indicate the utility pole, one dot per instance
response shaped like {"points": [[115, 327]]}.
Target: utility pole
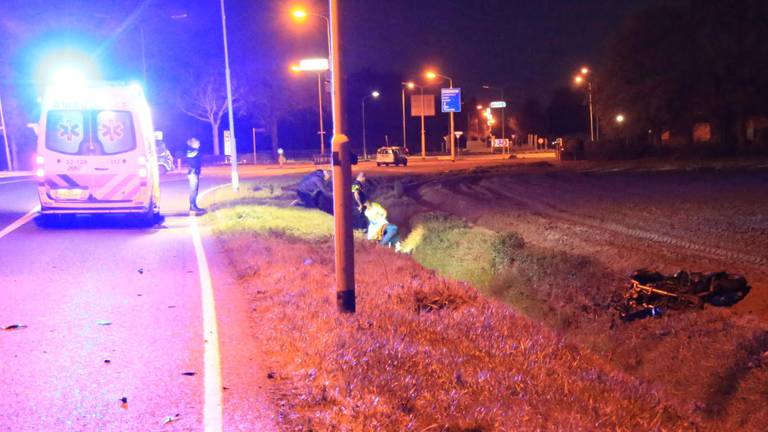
{"points": [[453, 137], [423, 132], [405, 142], [342, 179], [254, 145], [5, 138], [231, 117], [320, 105]]}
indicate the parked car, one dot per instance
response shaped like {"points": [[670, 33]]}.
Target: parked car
{"points": [[164, 158], [391, 156]]}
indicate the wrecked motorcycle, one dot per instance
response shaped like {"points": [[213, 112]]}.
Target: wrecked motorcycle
{"points": [[651, 293]]}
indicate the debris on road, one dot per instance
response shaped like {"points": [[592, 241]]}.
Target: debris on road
{"points": [[141, 271], [108, 361], [104, 323], [189, 373], [651, 293], [15, 327], [271, 375], [169, 419]]}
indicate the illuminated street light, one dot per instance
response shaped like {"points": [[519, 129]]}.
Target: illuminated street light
{"points": [[620, 118], [411, 85], [374, 94], [317, 65], [503, 113], [299, 13], [431, 75], [479, 107], [579, 80]]}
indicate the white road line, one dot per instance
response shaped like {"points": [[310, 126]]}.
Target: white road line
{"points": [[19, 222], [212, 408], [15, 181]]}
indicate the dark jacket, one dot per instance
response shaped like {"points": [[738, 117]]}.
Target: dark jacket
{"points": [[195, 163], [361, 190], [313, 183]]}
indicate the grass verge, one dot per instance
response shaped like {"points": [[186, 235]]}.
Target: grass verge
{"points": [[416, 357]]}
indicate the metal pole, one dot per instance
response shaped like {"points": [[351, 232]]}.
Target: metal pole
{"points": [[320, 104], [405, 142], [254, 145], [453, 137], [342, 181], [423, 133], [143, 55], [365, 151], [231, 117], [504, 124], [591, 122], [5, 138]]}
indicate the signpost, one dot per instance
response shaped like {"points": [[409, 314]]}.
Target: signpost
{"points": [[498, 104], [450, 100], [227, 143]]}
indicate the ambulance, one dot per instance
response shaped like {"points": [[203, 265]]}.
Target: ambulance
{"points": [[96, 151]]}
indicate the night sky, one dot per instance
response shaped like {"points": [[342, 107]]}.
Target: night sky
{"points": [[528, 47]]}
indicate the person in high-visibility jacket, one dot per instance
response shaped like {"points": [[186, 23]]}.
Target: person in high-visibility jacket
{"points": [[379, 228]]}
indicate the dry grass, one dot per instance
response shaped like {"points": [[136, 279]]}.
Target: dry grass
{"points": [[422, 353]]}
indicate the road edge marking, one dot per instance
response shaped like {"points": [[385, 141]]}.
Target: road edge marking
{"points": [[18, 223], [213, 410]]}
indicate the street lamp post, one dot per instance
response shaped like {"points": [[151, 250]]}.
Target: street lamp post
{"points": [[374, 94], [320, 112], [433, 75], [580, 79], [5, 138], [342, 179], [318, 66], [231, 116], [503, 113], [411, 85], [402, 92], [341, 163]]}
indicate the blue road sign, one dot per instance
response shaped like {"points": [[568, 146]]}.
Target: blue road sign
{"points": [[450, 100]]}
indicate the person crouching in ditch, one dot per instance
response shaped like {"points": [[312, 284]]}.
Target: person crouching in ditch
{"points": [[379, 228]]}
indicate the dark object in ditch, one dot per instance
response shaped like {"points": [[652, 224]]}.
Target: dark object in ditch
{"points": [[651, 292]]}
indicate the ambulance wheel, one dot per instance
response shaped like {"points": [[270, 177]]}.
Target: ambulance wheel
{"points": [[152, 216], [378, 164]]}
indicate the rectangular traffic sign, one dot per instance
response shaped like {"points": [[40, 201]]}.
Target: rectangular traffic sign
{"points": [[498, 104], [422, 104], [450, 100]]}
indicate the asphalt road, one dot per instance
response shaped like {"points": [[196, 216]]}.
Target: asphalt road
{"points": [[110, 312]]}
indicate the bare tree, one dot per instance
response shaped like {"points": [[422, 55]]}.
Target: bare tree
{"points": [[276, 98], [206, 100]]}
